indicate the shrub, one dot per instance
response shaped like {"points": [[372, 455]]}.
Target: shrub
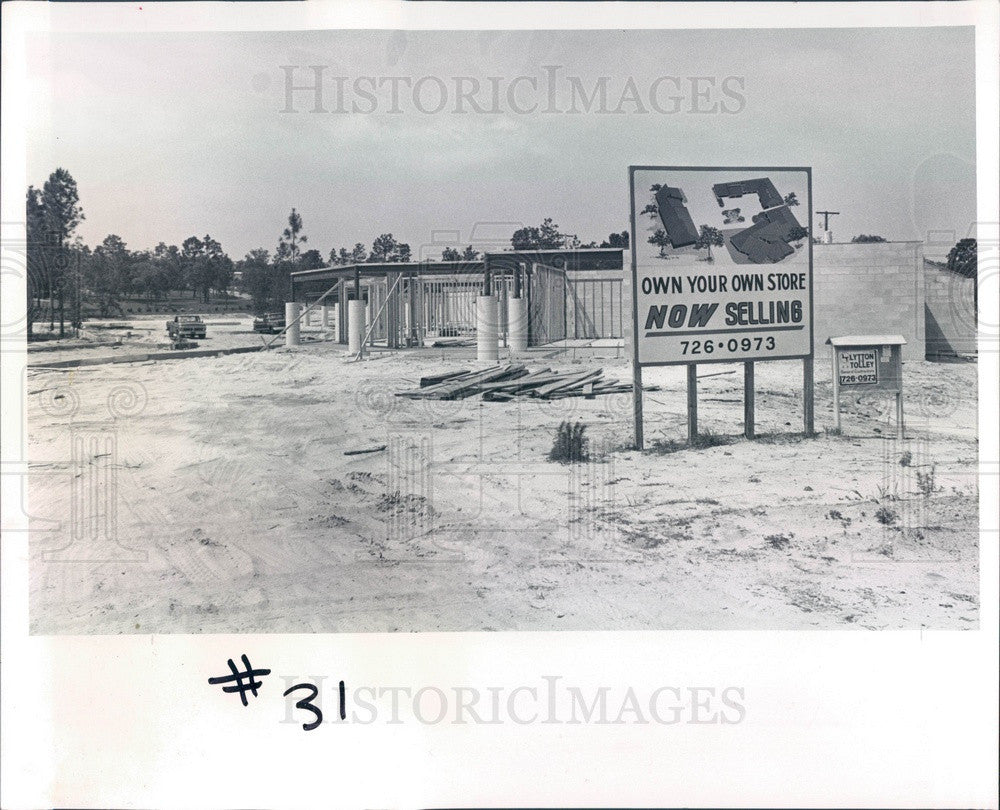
{"points": [[905, 459], [570, 444]]}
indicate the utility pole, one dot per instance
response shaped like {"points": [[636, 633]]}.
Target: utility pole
{"points": [[826, 218]]}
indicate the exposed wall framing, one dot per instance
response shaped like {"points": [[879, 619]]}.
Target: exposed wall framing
{"points": [[570, 294]]}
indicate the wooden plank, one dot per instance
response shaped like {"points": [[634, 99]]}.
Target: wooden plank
{"points": [[435, 379], [526, 381], [748, 399], [364, 450], [466, 386], [432, 390], [578, 378]]}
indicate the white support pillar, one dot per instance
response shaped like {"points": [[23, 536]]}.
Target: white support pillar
{"points": [[517, 324], [487, 331], [326, 316], [292, 311], [355, 325], [828, 237]]}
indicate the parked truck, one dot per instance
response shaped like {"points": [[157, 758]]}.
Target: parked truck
{"points": [[186, 326], [269, 322]]}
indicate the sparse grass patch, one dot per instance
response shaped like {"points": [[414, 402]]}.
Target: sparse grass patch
{"points": [[709, 439], [702, 441], [778, 541], [832, 431], [886, 516], [663, 447], [905, 459], [925, 481], [779, 438], [836, 514], [570, 445], [886, 549], [887, 493]]}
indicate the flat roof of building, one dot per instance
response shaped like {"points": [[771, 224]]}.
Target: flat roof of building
{"points": [[577, 259]]}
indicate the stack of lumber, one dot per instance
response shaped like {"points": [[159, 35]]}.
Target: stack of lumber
{"points": [[513, 381]]}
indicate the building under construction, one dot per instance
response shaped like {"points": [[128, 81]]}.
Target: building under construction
{"points": [[538, 297], [547, 296]]}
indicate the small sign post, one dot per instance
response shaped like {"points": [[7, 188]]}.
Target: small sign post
{"points": [[868, 363], [721, 273]]}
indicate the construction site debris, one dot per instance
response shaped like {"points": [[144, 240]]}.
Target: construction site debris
{"points": [[503, 383], [377, 449]]}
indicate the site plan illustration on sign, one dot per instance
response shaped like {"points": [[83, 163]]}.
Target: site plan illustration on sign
{"points": [[722, 264]]}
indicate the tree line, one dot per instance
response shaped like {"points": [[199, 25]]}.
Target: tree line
{"points": [[65, 276]]}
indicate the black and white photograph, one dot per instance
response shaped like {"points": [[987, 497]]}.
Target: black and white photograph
{"points": [[439, 404], [336, 334]]}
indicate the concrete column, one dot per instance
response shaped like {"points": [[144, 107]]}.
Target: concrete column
{"points": [[326, 316], [517, 324], [828, 237], [355, 325], [487, 350], [292, 311]]}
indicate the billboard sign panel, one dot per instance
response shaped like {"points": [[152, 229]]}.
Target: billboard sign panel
{"points": [[721, 264]]}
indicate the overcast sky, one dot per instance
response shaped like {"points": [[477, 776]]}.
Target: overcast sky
{"points": [[173, 135]]}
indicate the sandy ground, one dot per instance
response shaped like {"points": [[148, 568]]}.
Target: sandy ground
{"points": [[213, 495], [115, 338]]}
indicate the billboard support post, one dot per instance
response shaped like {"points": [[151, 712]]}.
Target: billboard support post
{"points": [[808, 386], [748, 400], [692, 402], [636, 366], [637, 404], [836, 393]]}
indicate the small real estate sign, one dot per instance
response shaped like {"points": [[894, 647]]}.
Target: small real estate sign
{"points": [[863, 363], [858, 367], [721, 264], [868, 362]]}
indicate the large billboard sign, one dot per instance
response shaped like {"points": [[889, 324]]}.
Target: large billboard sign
{"points": [[721, 264]]}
